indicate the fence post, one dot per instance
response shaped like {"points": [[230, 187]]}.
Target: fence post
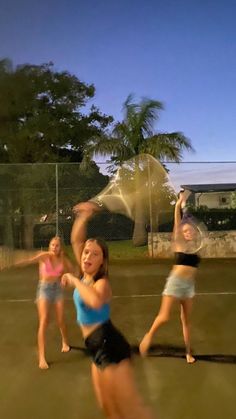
{"points": [[57, 208]]}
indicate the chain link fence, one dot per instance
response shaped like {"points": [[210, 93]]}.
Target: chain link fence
{"points": [[36, 200]]}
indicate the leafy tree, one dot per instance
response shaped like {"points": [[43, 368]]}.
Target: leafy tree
{"points": [[41, 120], [40, 114], [233, 200], [135, 135], [29, 191]]}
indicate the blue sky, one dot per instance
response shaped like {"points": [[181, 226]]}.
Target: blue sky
{"points": [[182, 53]]}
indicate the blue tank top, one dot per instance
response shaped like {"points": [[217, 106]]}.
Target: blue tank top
{"points": [[88, 315]]}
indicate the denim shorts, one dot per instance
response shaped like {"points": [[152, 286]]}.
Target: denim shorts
{"points": [[106, 345], [50, 291], [179, 287]]}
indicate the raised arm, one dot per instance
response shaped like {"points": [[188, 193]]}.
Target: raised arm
{"points": [[84, 212], [180, 204], [177, 216]]}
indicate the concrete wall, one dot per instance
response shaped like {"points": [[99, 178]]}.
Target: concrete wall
{"points": [[218, 244]]}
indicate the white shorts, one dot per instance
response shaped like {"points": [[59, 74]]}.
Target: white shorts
{"points": [[179, 287]]}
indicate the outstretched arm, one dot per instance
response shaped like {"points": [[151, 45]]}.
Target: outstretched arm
{"points": [[85, 212], [31, 260]]}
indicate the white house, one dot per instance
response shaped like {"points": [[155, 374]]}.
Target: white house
{"points": [[216, 195]]}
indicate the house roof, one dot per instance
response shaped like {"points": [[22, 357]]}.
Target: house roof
{"points": [[211, 187]]}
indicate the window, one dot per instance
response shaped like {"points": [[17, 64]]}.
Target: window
{"points": [[224, 200]]}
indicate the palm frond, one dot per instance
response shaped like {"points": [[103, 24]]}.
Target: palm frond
{"points": [[148, 115], [135, 135], [167, 146], [129, 108]]}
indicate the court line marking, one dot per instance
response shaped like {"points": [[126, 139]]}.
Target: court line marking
{"points": [[137, 296], [160, 295], [27, 300]]}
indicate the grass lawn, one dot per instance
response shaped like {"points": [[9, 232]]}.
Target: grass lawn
{"points": [[122, 250]]}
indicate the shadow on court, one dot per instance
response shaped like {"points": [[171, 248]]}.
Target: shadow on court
{"points": [[169, 351]]}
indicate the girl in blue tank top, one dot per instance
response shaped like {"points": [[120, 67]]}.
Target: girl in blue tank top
{"points": [[87, 314], [112, 371]]}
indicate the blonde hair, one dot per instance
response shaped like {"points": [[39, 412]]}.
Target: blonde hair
{"points": [[58, 238]]}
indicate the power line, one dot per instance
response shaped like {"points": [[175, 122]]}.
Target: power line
{"points": [[190, 162]]}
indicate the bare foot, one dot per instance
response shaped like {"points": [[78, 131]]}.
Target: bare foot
{"points": [[190, 359], [145, 344], [65, 347], [43, 365]]}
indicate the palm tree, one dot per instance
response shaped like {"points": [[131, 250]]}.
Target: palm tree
{"points": [[136, 135]]}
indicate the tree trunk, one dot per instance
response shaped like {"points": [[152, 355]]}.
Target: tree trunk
{"points": [[140, 235]]}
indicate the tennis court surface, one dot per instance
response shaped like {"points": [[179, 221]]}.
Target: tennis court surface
{"points": [[175, 389]]}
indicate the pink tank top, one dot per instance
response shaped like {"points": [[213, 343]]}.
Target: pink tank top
{"points": [[46, 269]]}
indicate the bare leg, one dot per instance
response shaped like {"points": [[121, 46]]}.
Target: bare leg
{"points": [[59, 307], [103, 394], [186, 308], [125, 399], [43, 313], [162, 317]]}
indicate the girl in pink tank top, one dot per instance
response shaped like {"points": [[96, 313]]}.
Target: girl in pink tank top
{"points": [[52, 264], [47, 269]]}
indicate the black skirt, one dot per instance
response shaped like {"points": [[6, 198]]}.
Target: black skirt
{"points": [[106, 345]]}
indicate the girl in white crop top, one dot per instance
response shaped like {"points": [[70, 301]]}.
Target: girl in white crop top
{"points": [[180, 285]]}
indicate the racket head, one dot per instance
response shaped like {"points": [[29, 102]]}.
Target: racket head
{"points": [[191, 235]]}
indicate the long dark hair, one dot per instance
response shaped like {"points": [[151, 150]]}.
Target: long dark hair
{"points": [[103, 270]]}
